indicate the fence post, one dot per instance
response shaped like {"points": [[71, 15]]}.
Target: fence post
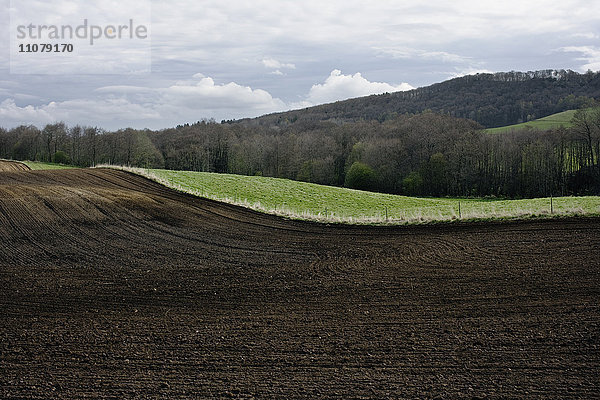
{"points": [[386, 215], [459, 211], [551, 205]]}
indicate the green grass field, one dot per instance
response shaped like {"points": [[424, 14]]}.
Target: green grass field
{"points": [[334, 204], [36, 165], [549, 122]]}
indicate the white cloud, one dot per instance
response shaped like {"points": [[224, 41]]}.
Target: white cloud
{"points": [[274, 64], [463, 65], [585, 35], [9, 111], [206, 95], [445, 57], [120, 106], [338, 86], [590, 56], [470, 71], [277, 66], [410, 53], [95, 112]]}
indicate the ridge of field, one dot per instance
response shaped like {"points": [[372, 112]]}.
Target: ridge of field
{"points": [[38, 165], [551, 121], [334, 204], [11, 166]]}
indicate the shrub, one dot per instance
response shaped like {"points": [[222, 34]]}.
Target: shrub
{"points": [[412, 184], [361, 176], [60, 157]]}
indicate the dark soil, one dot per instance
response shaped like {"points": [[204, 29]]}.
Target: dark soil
{"points": [[112, 286], [12, 166]]}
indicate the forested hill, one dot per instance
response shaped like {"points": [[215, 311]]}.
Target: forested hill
{"points": [[493, 100]]}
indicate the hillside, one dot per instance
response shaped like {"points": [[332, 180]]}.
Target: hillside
{"points": [[334, 204], [493, 100]]}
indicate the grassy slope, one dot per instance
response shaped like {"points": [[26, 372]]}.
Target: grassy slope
{"points": [[300, 199], [549, 122]]}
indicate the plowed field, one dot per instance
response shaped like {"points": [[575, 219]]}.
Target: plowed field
{"points": [[112, 286], [12, 166]]}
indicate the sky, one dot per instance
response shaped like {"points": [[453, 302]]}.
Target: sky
{"points": [[233, 59]]}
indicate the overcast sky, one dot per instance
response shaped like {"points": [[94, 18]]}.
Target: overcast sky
{"points": [[233, 59]]}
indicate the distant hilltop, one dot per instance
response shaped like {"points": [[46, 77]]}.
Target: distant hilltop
{"points": [[523, 76], [492, 99]]}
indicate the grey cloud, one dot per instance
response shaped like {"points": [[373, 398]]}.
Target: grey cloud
{"points": [[387, 42]]}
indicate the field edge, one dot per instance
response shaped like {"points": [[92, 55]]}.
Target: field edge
{"points": [[376, 221]]}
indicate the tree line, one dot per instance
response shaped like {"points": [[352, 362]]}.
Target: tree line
{"points": [[425, 154]]}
